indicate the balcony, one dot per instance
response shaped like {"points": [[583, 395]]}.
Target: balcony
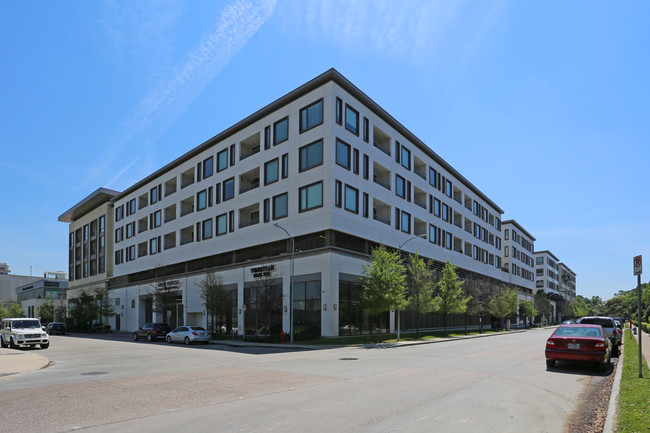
{"points": [[249, 215], [380, 211], [249, 180], [381, 175], [420, 168], [381, 140], [249, 146]]}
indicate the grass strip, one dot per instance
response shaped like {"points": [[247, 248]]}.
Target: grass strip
{"points": [[634, 402]]}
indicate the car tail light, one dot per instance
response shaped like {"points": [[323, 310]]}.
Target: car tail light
{"points": [[550, 342], [194, 333]]}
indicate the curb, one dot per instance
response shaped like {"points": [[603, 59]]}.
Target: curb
{"points": [[612, 409], [15, 362]]}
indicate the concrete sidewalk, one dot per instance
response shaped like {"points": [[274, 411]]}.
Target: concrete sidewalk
{"points": [[14, 361]]}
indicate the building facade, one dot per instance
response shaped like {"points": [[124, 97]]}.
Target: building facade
{"points": [[301, 191], [32, 295]]}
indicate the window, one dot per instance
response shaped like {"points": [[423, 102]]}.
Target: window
{"points": [[119, 257], [338, 193], [222, 224], [432, 177], [505, 235], [129, 230], [351, 199], [118, 235], [366, 130], [351, 120], [311, 155], [355, 161], [206, 229], [448, 241], [400, 186], [445, 212], [433, 231], [232, 155], [539, 260], [267, 138], [208, 167], [342, 154], [153, 246], [339, 111], [153, 195], [285, 166], [228, 189], [280, 206], [281, 131], [406, 222], [366, 166], [506, 252], [436, 207], [311, 116], [406, 158], [222, 160], [311, 196], [202, 199], [267, 211], [448, 190], [365, 205], [271, 172], [130, 208], [119, 212], [157, 219]]}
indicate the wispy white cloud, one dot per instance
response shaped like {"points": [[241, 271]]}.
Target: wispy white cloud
{"points": [[170, 97]]}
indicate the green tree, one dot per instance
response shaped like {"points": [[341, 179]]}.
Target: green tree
{"points": [[83, 309], [104, 306], [481, 295], [213, 296], [46, 310], [450, 299], [384, 283], [542, 304], [3, 312], [16, 310], [420, 288], [527, 310], [504, 304]]}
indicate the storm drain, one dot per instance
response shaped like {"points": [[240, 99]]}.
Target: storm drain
{"points": [[94, 373], [348, 359]]}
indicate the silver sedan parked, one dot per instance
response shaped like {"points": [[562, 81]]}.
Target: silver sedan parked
{"points": [[189, 335]]}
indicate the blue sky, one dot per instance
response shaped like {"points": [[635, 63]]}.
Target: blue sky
{"points": [[543, 105]]}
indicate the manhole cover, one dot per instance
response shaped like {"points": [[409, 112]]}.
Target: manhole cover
{"points": [[348, 359], [94, 373]]}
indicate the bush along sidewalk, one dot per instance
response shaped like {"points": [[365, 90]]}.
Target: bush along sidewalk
{"points": [[634, 402]]}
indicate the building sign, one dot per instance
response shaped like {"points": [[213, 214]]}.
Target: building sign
{"points": [[168, 285], [262, 271]]}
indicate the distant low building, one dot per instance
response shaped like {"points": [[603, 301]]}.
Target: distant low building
{"points": [[9, 283], [32, 295]]}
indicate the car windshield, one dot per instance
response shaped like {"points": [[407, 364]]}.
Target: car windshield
{"points": [[197, 328], [26, 324], [577, 331]]}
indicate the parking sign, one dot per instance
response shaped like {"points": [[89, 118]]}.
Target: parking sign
{"points": [[638, 269]]}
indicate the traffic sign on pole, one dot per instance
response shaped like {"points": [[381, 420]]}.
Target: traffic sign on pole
{"points": [[638, 268]]}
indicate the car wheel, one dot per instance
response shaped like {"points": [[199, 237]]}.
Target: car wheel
{"points": [[550, 363], [12, 344], [45, 345], [187, 340], [135, 336], [2, 343], [149, 338], [604, 366], [169, 340]]}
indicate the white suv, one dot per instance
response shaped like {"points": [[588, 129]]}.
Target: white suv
{"points": [[23, 332]]}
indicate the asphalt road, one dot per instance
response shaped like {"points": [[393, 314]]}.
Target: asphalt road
{"points": [[492, 384]]}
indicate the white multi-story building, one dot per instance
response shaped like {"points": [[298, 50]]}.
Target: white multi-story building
{"points": [[567, 282], [518, 251], [324, 168]]}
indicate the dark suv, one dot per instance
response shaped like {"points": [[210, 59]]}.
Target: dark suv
{"points": [[152, 331]]}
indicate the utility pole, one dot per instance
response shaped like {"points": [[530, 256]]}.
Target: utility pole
{"points": [[638, 269]]}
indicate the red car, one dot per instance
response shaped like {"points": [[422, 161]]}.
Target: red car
{"points": [[580, 343]]}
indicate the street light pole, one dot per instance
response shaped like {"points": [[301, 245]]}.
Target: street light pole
{"points": [[293, 249], [399, 257]]}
